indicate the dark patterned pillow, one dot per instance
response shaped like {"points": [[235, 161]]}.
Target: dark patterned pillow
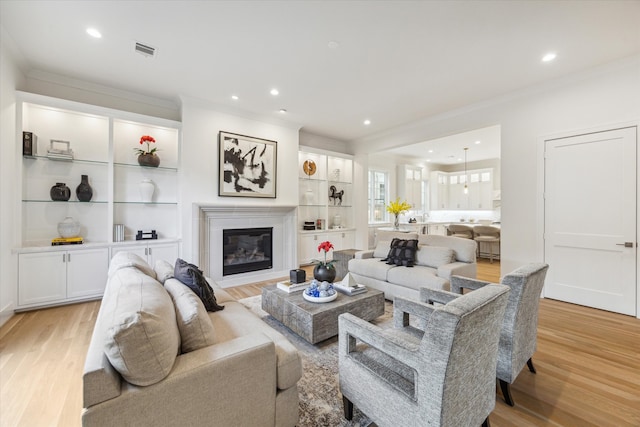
{"points": [[402, 252], [192, 277]]}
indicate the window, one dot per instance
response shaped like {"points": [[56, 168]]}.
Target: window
{"points": [[378, 196]]}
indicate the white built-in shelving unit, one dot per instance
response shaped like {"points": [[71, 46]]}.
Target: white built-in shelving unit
{"points": [[336, 216], [103, 142]]}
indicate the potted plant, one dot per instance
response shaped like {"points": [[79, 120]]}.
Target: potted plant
{"points": [[324, 270], [147, 157]]}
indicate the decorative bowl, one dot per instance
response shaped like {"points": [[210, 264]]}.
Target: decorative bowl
{"points": [[320, 292], [319, 299]]}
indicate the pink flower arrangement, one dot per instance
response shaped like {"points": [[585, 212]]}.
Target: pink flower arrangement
{"points": [[146, 139]]}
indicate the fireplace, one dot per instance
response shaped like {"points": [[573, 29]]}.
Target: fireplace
{"points": [[246, 249], [213, 219]]}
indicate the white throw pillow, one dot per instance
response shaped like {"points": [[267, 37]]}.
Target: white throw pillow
{"points": [[382, 249], [196, 328], [142, 339], [163, 270], [433, 256]]}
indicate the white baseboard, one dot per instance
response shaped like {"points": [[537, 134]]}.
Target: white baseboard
{"points": [[254, 276], [6, 313]]}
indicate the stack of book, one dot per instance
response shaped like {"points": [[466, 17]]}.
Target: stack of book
{"points": [[289, 287], [349, 286], [58, 241]]}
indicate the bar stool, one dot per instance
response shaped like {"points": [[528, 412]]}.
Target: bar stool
{"points": [[460, 230], [489, 235]]}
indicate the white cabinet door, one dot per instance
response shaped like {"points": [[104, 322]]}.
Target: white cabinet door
{"points": [[439, 191], [140, 250], [165, 251], [42, 277], [439, 229], [308, 247], [348, 240], [150, 252], [87, 272]]}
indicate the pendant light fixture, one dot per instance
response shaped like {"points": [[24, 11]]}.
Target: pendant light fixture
{"points": [[466, 178]]}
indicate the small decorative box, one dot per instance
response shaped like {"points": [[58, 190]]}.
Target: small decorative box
{"points": [[297, 276]]}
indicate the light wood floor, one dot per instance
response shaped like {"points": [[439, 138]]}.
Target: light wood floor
{"points": [[588, 364]]}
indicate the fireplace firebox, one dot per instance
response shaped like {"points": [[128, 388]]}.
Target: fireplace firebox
{"points": [[246, 249]]}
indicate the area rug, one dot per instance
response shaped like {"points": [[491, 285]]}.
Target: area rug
{"points": [[320, 397]]}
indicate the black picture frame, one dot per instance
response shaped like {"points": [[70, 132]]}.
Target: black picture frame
{"points": [[248, 166]]}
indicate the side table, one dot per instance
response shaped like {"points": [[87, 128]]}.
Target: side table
{"points": [[341, 259]]}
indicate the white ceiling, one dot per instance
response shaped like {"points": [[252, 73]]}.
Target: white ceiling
{"points": [[482, 144], [395, 61]]}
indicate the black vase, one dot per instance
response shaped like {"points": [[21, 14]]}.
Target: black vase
{"points": [[324, 274], [60, 192], [84, 192]]}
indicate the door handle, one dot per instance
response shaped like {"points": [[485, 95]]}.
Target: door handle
{"points": [[625, 244]]}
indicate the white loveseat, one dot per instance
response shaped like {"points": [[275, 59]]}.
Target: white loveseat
{"points": [[436, 260], [158, 358]]}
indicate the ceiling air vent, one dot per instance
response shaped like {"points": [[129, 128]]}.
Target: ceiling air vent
{"points": [[145, 50]]}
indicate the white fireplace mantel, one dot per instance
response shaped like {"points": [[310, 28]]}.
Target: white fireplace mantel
{"points": [[215, 218]]}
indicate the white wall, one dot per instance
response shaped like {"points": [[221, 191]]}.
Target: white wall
{"points": [[199, 173], [604, 96], [10, 78]]}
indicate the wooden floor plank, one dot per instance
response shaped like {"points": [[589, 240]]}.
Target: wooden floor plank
{"points": [[587, 361]]}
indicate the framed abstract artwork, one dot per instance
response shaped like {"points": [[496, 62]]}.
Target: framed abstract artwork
{"points": [[247, 166]]}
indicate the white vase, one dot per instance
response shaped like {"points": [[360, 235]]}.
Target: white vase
{"points": [[147, 187]]}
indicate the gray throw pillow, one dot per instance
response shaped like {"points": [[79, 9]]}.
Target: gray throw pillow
{"points": [[402, 252], [191, 276]]}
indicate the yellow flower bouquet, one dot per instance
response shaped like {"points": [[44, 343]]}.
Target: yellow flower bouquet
{"points": [[397, 207]]}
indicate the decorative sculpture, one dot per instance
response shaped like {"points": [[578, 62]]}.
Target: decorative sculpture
{"points": [[336, 195]]}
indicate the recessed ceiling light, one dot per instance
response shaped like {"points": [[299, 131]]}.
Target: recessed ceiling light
{"points": [[367, 122], [274, 92], [430, 151], [234, 97], [549, 57], [477, 142], [283, 111], [94, 33], [333, 44]]}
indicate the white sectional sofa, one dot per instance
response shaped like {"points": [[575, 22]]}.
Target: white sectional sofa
{"points": [[436, 260], [158, 358]]}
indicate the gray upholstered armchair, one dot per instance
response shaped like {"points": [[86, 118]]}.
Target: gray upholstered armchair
{"points": [[442, 376], [520, 326]]}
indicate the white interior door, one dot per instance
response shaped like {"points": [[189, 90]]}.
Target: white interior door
{"points": [[590, 219]]}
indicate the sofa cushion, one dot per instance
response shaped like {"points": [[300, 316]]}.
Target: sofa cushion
{"points": [[434, 256], [163, 269], [402, 252], [370, 267], [417, 277], [237, 321], [192, 277], [196, 329], [129, 259], [464, 249], [142, 338]]}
